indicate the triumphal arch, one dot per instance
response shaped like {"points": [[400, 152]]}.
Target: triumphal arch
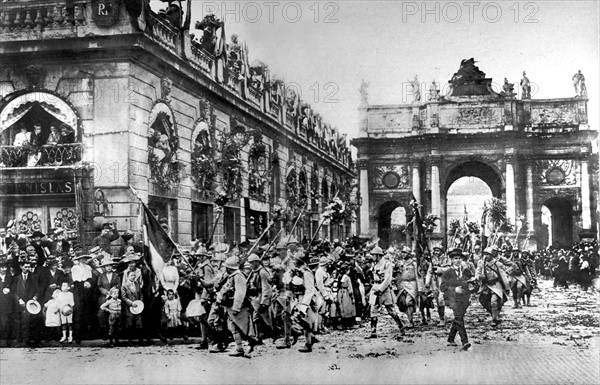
{"points": [[530, 152]]}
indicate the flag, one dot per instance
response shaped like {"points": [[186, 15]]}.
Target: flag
{"points": [[159, 246]]}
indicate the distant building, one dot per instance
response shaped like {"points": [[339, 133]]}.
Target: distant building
{"points": [[531, 153]]}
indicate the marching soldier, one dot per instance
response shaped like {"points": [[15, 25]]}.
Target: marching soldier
{"points": [[381, 291], [205, 274], [492, 284], [232, 297], [408, 279], [433, 281], [304, 302], [259, 293]]}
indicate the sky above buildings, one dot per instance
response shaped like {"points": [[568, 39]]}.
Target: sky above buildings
{"points": [[328, 47]]}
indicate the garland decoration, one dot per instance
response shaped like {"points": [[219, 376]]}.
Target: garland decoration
{"points": [[165, 168], [204, 169], [231, 166]]}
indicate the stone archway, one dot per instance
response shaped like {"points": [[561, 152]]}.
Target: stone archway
{"points": [[561, 228], [384, 222]]}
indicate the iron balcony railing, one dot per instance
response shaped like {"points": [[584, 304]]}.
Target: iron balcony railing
{"points": [[42, 156]]}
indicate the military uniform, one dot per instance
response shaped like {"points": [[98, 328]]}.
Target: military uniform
{"points": [[259, 293], [493, 287], [381, 293]]}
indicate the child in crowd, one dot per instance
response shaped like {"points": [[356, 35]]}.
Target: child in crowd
{"points": [[66, 303], [172, 309], [113, 307], [53, 315]]}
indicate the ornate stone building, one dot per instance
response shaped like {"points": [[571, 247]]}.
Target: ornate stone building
{"points": [[529, 152], [126, 97]]}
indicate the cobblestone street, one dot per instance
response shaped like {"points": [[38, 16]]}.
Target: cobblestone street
{"points": [[555, 342]]}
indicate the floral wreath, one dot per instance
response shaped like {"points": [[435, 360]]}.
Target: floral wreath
{"points": [[204, 169], [165, 168], [258, 180]]}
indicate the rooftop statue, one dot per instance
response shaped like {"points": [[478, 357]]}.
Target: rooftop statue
{"points": [[173, 13], [364, 92], [525, 87], [434, 93], [508, 89], [579, 84], [415, 89]]}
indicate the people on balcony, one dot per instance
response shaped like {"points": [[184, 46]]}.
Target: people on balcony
{"points": [[32, 148]]}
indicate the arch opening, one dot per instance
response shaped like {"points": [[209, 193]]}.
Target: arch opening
{"points": [[557, 223], [465, 199], [385, 231]]}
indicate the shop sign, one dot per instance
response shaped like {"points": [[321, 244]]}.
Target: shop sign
{"points": [[37, 188]]}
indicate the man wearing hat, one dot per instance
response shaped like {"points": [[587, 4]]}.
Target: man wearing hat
{"points": [[81, 274], [41, 247], [454, 285], [107, 235], [231, 296], [408, 280], [202, 284], [59, 244], [4, 241], [433, 281], [259, 292], [53, 278], [493, 285], [25, 288], [6, 299], [301, 282], [106, 281], [128, 242], [323, 283], [381, 291]]}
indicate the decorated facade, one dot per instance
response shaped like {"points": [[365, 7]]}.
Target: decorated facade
{"points": [[209, 139], [530, 152]]}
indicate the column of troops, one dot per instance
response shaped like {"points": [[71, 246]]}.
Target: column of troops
{"points": [[53, 290]]}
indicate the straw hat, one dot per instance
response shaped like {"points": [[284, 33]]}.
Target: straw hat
{"points": [[33, 307], [137, 307], [66, 310]]}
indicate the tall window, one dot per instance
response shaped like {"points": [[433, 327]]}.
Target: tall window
{"points": [[201, 221]]}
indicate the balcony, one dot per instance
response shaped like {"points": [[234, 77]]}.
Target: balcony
{"points": [[49, 156], [28, 20]]}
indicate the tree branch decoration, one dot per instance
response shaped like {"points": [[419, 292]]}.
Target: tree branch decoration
{"points": [[260, 171], [204, 169], [230, 165], [163, 145]]}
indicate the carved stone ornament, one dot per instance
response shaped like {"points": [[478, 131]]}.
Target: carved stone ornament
{"points": [[105, 13], [569, 194], [390, 177], [473, 116], [165, 88], [555, 116], [35, 76], [557, 172]]}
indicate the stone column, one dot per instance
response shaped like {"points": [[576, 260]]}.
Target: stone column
{"points": [[435, 193], [511, 203], [364, 208], [416, 182], [586, 210], [529, 197]]}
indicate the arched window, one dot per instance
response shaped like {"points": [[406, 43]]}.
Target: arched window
{"points": [[163, 144]]}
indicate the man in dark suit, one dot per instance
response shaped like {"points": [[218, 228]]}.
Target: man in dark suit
{"points": [[52, 279], [25, 288], [454, 285], [7, 300], [107, 280]]}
